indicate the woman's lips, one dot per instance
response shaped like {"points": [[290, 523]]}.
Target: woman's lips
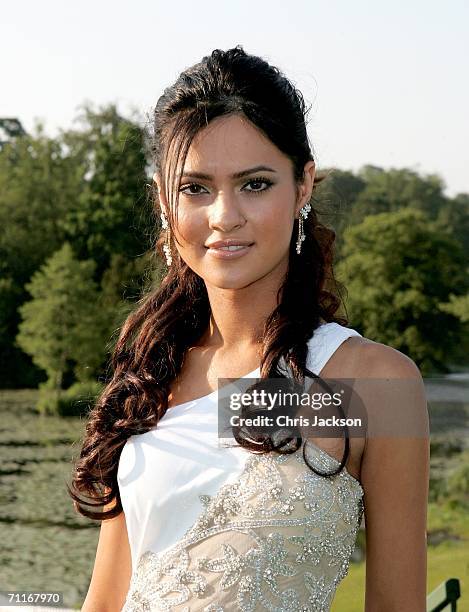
{"points": [[223, 253]]}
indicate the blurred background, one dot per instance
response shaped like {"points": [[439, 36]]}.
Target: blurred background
{"points": [[388, 95]]}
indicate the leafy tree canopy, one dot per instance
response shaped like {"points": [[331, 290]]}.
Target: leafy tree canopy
{"points": [[398, 268], [64, 323]]}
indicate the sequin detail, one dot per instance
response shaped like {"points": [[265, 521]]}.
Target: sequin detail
{"points": [[278, 538]]}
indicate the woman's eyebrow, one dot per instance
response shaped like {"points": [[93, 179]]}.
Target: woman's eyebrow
{"points": [[236, 175]]}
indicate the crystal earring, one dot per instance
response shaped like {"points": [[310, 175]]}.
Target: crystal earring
{"points": [[301, 235], [166, 247]]}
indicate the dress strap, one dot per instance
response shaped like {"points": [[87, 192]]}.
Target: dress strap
{"points": [[323, 344]]}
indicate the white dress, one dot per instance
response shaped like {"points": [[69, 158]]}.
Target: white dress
{"points": [[216, 529]]}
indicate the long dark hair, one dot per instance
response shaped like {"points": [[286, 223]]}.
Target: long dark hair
{"points": [[168, 320]]}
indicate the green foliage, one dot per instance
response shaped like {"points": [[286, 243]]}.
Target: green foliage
{"points": [[38, 182], [335, 199], [64, 322], [394, 189], [37, 185], [110, 215], [87, 187], [458, 483], [451, 488], [48, 398], [453, 218], [398, 267], [458, 305], [11, 128]]}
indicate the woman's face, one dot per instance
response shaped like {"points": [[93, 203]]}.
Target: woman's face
{"points": [[216, 203]]}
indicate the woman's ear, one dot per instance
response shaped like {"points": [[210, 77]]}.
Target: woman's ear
{"points": [[161, 197], [306, 187]]}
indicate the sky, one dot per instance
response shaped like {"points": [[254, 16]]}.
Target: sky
{"points": [[387, 82]]}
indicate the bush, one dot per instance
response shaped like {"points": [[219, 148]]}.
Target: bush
{"points": [[78, 399], [458, 487], [451, 486], [443, 446], [48, 399]]}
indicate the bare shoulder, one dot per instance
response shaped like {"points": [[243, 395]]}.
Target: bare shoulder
{"points": [[376, 360], [392, 391]]}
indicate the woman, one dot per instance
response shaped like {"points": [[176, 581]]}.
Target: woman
{"points": [[190, 524]]}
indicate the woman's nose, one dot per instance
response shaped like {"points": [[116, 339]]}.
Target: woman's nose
{"points": [[225, 213]]}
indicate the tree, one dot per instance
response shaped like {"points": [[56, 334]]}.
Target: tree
{"points": [[458, 305], [453, 218], [87, 187], [38, 183], [63, 324], [391, 190], [398, 268], [10, 127], [111, 213], [335, 199]]}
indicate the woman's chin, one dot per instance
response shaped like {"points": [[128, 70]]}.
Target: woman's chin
{"points": [[229, 280]]}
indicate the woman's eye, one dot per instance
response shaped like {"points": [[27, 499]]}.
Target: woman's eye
{"points": [[190, 186], [192, 189], [259, 181]]}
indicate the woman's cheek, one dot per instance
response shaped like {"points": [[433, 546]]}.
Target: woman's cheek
{"points": [[278, 224], [190, 230]]}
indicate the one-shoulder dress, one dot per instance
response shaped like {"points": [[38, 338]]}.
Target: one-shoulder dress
{"points": [[221, 529]]}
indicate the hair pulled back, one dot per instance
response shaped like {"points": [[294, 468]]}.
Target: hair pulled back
{"points": [[169, 319]]}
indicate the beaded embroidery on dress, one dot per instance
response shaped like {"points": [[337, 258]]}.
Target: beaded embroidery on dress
{"points": [[278, 538]]}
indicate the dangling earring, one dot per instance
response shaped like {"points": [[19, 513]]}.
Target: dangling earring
{"points": [[301, 235], [166, 247]]}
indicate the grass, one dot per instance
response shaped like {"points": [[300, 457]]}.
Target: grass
{"points": [[447, 528], [446, 560], [46, 545]]}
